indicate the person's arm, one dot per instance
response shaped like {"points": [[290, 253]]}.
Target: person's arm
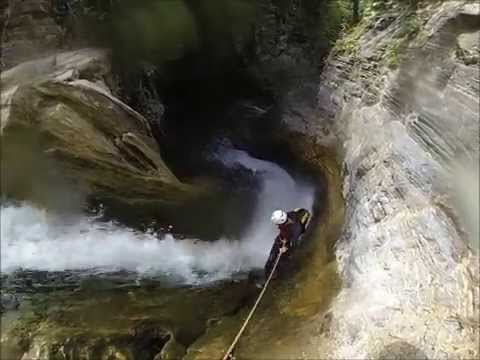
{"points": [[283, 238], [273, 251], [284, 234]]}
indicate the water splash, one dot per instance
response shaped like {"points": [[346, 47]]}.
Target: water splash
{"points": [[278, 191], [37, 240]]}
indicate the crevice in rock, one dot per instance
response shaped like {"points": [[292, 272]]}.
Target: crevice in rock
{"points": [[134, 155]]}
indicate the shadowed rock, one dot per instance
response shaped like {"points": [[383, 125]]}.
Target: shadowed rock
{"points": [[399, 100], [62, 126], [401, 350]]}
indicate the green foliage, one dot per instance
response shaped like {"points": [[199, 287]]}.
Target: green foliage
{"points": [[392, 54], [156, 30], [325, 20], [371, 7], [395, 52], [225, 25], [336, 15], [348, 43], [410, 27], [163, 30], [351, 30]]}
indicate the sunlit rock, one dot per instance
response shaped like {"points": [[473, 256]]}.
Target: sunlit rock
{"points": [[404, 253], [402, 110], [62, 126]]}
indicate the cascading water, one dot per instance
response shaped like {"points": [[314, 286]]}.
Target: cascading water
{"points": [[36, 240]]}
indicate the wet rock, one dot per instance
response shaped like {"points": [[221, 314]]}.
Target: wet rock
{"points": [[470, 9], [383, 23], [215, 342], [113, 353], [469, 48], [292, 38], [409, 278], [404, 247], [38, 351], [292, 312], [90, 142], [29, 31], [141, 323], [8, 301], [171, 351], [401, 350]]}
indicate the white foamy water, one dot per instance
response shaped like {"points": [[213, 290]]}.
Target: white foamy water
{"points": [[33, 239]]}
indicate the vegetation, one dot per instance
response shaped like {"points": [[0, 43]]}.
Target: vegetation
{"points": [[396, 51], [370, 12], [328, 22], [348, 42]]}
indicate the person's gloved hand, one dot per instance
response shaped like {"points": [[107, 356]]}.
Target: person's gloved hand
{"points": [[283, 249]]}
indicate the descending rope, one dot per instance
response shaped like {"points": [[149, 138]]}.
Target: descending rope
{"points": [[245, 323]]}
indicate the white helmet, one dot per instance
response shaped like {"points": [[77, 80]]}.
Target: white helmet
{"points": [[279, 217]]}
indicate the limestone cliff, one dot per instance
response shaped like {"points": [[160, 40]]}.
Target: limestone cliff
{"points": [[401, 103], [389, 270], [398, 101], [404, 104], [29, 30], [62, 127]]}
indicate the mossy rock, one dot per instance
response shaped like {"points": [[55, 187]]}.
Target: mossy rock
{"points": [[76, 138]]}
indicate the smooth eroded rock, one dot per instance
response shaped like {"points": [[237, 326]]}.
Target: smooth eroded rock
{"points": [[62, 129]]}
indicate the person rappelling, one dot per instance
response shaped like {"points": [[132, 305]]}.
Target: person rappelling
{"points": [[291, 226]]}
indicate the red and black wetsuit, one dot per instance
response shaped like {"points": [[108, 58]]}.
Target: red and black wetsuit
{"points": [[285, 231], [289, 234]]}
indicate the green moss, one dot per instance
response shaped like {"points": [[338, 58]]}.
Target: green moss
{"points": [[348, 44], [89, 320], [392, 54], [410, 27], [371, 10], [468, 58], [396, 52], [331, 18], [372, 7]]}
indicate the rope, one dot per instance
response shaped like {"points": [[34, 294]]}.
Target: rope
{"points": [[245, 323]]}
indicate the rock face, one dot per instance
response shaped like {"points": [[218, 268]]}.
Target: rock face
{"points": [[401, 94], [291, 317], [29, 30], [8, 301], [135, 324], [62, 126], [292, 38], [399, 101], [293, 34]]}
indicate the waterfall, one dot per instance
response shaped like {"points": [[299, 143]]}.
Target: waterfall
{"points": [[35, 239]]}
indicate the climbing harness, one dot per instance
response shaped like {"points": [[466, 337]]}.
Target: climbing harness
{"points": [[245, 323]]}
